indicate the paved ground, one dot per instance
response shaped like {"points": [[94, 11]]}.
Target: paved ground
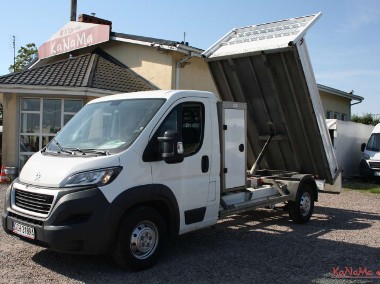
{"points": [[260, 247]]}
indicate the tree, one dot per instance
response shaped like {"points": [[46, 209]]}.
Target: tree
{"points": [[25, 55], [366, 118]]}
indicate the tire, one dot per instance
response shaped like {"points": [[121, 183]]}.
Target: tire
{"points": [[301, 210], [140, 239]]}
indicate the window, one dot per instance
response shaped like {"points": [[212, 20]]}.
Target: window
{"points": [[328, 114], [110, 126], [344, 116], [191, 128], [40, 120], [188, 120], [374, 142]]}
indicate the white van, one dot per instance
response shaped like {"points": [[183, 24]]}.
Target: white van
{"points": [[370, 163]]}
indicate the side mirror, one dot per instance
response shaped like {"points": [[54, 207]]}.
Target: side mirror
{"points": [[363, 147], [172, 148]]}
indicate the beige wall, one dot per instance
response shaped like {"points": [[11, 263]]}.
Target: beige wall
{"points": [[335, 103], [194, 76], [150, 63], [10, 130], [88, 99], [159, 66]]}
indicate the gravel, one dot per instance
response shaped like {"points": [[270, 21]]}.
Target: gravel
{"points": [[259, 247]]}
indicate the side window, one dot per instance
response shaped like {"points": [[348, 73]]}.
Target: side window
{"points": [[192, 127], [170, 123], [374, 142], [188, 120]]}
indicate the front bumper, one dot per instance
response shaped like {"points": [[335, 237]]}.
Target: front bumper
{"points": [[80, 221], [366, 171]]}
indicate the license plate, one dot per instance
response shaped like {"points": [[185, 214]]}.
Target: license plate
{"points": [[377, 174], [23, 230]]}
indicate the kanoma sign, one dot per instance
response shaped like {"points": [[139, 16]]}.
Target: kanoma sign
{"points": [[74, 35]]}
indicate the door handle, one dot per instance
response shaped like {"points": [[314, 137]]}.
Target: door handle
{"points": [[205, 164]]}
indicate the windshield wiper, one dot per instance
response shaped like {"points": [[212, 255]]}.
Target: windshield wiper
{"points": [[92, 151], [61, 149]]}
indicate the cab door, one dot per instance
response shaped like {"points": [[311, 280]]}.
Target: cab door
{"points": [[190, 179]]}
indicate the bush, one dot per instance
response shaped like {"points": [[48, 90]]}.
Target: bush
{"points": [[366, 118]]}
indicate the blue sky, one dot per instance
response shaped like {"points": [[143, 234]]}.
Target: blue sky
{"points": [[344, 44]]}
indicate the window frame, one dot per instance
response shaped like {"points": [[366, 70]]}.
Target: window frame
{"points": [[40, 134], [152, 152]]}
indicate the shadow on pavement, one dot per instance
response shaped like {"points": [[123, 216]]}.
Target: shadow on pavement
{"points": [[260, 247]]}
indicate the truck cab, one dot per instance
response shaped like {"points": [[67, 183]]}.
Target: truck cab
{"points": [[107, 164]]}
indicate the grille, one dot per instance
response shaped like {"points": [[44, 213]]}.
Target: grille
{"points": [[35, 202], [374, 165]]}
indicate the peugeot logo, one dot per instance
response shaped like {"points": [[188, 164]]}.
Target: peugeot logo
{"points": [[37, 177]]}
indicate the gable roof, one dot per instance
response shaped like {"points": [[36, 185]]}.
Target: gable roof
{"points": [[340, 93], [96, 70]]}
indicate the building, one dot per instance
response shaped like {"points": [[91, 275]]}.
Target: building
{"points": [[337, 104], [85, 60]]}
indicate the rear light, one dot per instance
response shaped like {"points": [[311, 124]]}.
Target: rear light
{"points": [[256, 182]]}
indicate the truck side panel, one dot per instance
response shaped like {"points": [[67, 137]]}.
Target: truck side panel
{"points": [[233, 133]]}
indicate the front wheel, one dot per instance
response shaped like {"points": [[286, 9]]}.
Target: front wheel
{"points": [[300, 211], [140, 239]]}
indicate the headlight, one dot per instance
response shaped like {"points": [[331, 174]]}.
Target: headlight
{"points": [[365, 157], [99, 177]]}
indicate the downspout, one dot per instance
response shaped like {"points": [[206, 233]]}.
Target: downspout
{"points": [[358, 102], [178, 66]]}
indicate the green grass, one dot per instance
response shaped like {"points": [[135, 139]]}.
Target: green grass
{"points": [[367, 186]]}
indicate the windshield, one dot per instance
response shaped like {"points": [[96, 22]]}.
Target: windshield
{"points": [[108, 127], [374, 142]]}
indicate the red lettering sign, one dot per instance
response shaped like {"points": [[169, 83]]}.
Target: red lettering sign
{"points": [[74, 36], [349, 272]]}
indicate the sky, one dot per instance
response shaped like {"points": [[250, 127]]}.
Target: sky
{"points": [[344, 44]]}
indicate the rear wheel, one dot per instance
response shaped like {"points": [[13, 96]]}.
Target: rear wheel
{"points": [[300, 211], [140, 239]]}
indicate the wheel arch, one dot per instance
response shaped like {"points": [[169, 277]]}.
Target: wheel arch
{"points": [[306, 180], [309, 180], [156, 196], [301, 209]]}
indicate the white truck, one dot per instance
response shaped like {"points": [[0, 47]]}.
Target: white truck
{"points": [[131, 170], [369, 166]]}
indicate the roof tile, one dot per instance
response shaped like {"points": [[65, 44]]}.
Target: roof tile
{"points": [[106, 73]]}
